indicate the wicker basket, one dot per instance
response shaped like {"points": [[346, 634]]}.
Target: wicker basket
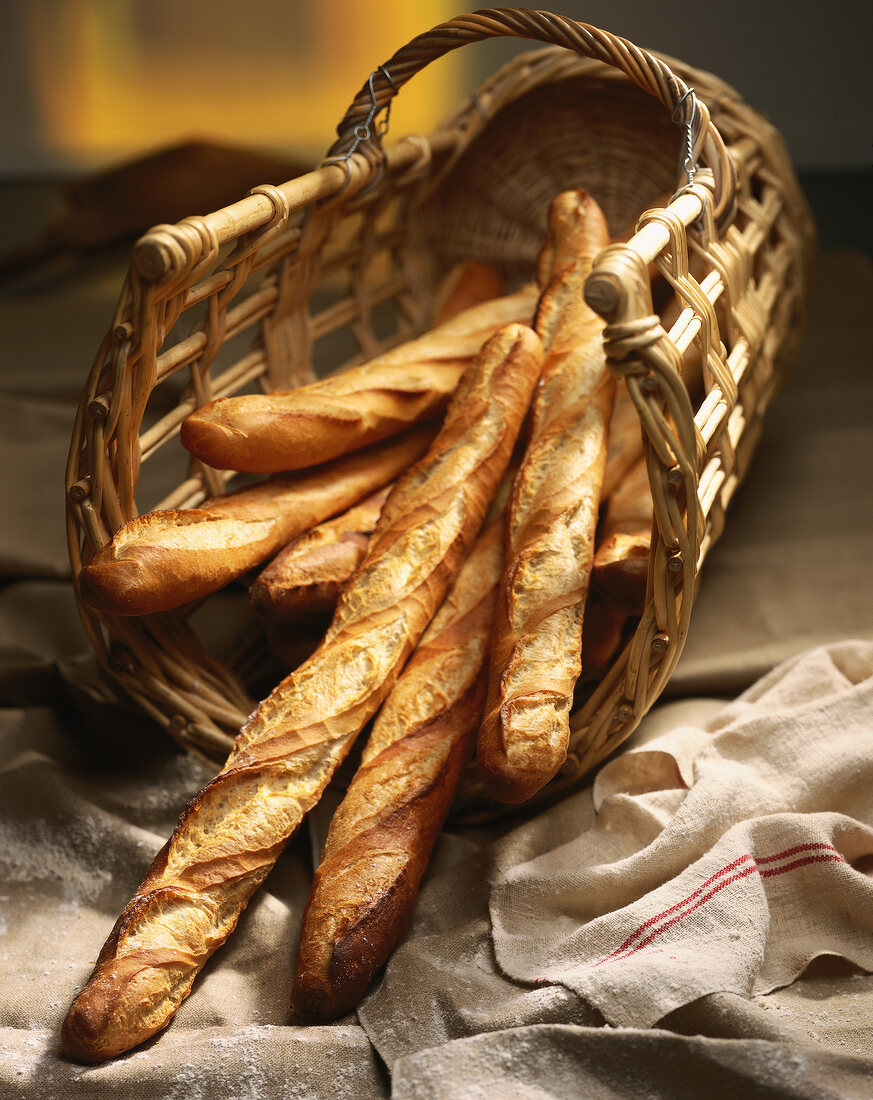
{"points": [[339, 264]]}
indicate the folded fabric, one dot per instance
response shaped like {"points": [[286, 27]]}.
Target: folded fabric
{"points": [[722, 858]]}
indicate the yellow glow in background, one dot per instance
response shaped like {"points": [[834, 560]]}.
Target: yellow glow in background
{"points": [[112, 78]]}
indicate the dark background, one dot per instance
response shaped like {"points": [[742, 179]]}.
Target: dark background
{"points": [[806, 66]]}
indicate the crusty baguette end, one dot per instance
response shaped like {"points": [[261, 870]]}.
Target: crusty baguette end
{"points": [[141, 572]]}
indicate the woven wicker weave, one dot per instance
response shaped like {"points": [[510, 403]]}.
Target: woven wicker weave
{"points": [[338, 265]]}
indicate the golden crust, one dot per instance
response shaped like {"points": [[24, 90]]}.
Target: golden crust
{"points": [[536, 658], [164, 559], [551, 523], [383, 832], [577, 227], [304, 579], [266, 433]]}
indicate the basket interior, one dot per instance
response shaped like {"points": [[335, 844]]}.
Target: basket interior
{"points": [[603, 134]]}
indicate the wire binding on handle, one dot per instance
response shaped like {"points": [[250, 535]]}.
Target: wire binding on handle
{"points": [[688, 163], [362, 131]]}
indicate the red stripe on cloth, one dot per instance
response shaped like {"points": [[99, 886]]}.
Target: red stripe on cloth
{"points": [[679, 904], [615, 957], [622, 952], [793, 852], [801, 863]]}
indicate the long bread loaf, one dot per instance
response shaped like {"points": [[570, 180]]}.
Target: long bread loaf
{"points": [[161, 560], [233, 831], [265, 433], [577, 228], [304, 579], [382, 834], [551, 523]]}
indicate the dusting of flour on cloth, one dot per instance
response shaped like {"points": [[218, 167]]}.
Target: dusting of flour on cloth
{"points": [[723, 858]]}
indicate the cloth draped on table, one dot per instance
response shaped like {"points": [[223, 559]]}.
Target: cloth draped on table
{"points": [[621, 940]]}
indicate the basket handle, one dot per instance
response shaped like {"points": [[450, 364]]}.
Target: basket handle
{"points": [[644, 69]]}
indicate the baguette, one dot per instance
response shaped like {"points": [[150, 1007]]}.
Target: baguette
{"points": [[233, 831], [382, 834], [304, 579], [551, 523], [266, 433], [577, 228], [164, 559]]}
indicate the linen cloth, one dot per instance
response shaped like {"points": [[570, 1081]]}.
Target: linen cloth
{"points": [[723, 858], [448, 1014]]}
